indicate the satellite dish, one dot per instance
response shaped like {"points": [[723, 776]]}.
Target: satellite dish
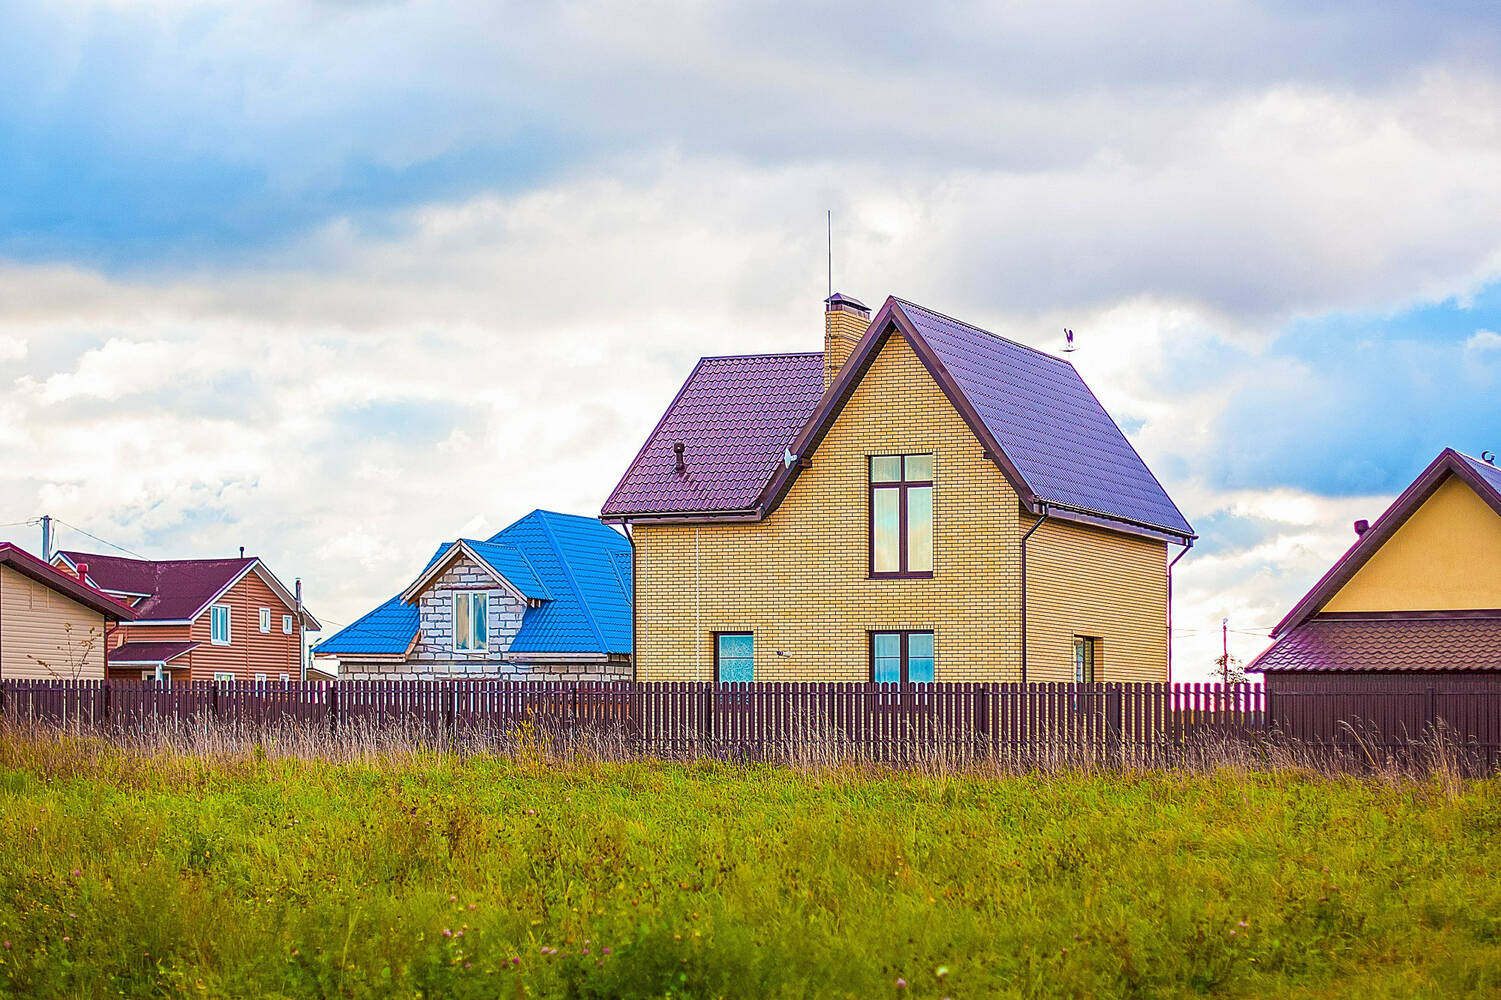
{"points": [[788, 458]]}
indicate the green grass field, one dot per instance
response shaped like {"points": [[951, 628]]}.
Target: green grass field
{"points": [[127, 875]]}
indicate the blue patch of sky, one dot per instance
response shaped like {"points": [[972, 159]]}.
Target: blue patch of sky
{"points": [[1349, 404]]}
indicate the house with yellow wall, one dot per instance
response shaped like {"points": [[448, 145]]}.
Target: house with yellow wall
{"points": [[920, 501], [52, 625], [1416, 597]]}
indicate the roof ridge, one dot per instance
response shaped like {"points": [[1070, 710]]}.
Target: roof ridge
{"points": [[981, 329], [552, 540], [762, 354]]}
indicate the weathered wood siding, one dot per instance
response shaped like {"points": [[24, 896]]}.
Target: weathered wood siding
{"points": [[40, 626]]}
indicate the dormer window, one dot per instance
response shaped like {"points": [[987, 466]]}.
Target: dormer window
{"points": [[471, 613], [901, 515]]}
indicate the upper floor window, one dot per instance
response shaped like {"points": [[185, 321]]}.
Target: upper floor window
{"points": [[1086, 658], [734, 657], [218, 625], [265, 619], [901, 515], [901, 657], [471, 618], [286, 624]]}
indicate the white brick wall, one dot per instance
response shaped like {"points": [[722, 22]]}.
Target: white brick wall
{"points": [[434, 657]]}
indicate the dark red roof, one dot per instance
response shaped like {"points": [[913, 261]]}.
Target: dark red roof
{"points": [[178, 589], [1033, 414], [131, 653], [1386, 644], [25, 563], [1482, 477], [735, 416]]}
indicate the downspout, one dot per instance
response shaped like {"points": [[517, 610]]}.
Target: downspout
{"points": [[1026, 536], [1173, 562], [698, 652], [630, 536]]}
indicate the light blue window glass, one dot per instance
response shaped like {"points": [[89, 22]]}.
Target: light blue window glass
{"points": [[920, 657], [886, 469], [735, 657], [918, 469], [218, 622], [920, 529], [886, 655], [887, 527], [480, 616]]}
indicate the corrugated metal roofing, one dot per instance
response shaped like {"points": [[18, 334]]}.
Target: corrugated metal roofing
{"points": [[1386, 644], [386, 631], [131, 653], [179, 588], [578, 567], [735, 416], [576, 558], [511, 563], [1051, 426]]}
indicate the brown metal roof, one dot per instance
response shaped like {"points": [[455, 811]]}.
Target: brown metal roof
{"points": [[1389, 643], [25, 563]]}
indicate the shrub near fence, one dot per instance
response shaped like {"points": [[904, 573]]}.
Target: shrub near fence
{"points": [[1128, 723]]}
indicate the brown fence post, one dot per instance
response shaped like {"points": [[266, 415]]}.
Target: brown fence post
{"points": [[1113, 722], [1430, 707], [333, 706]]}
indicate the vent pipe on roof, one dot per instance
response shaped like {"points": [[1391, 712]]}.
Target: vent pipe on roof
{"points": [[677, 451], [242, 552], [1361, 527], [83, 573]]}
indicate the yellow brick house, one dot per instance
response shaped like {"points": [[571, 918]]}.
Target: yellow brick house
{"points": [[921, 501]]}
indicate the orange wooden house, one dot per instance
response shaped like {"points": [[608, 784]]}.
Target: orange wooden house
{"points": [[198, 619]]}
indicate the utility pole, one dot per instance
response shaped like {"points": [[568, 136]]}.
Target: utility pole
{"points": [[46, 538], [1225, 645], [301, 635]]}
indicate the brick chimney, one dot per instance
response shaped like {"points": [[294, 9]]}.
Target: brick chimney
{"points": [[844, 323]]}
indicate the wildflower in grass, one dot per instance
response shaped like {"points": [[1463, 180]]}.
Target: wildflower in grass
{"points": [[77, 872], [941, 971], [604, 951], [447, 932], [453, 899], [901, 984], [515, 960], [473, 906], [1243, 924], [7, 946]]}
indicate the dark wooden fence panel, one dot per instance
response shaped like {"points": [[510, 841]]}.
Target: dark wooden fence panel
{"points": [[1129, 723]]}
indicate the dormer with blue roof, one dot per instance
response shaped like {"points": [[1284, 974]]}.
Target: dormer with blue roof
{"points": [[548, 598]]}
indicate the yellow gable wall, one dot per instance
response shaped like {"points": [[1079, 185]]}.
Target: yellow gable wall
{"points": [[1088, 582], [47, 635], [1446, 557], [798, 579]]}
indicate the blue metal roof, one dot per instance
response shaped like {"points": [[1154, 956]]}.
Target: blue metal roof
{"points": [[578, 559], [578, 568], [512, 564], [388, 630], [1053, 429]]}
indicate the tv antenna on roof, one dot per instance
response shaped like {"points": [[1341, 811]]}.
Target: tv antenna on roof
{"points": [[1068, 341]]}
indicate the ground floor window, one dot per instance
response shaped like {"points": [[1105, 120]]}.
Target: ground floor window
{"points": [[150, 675], [1086, 659], [734, 657], [224, 676], [901, 657]]}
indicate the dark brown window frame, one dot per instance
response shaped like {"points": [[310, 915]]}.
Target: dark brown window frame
{"points": [[901, 486], [1094, 658], [904, 662], [734, 632]]}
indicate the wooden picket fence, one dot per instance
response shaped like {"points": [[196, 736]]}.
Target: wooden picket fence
{"points": [[1140, 723]]}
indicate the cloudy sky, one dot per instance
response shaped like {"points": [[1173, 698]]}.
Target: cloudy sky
{"points": [[338, 280]]}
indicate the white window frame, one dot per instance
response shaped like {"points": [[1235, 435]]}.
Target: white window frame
{"points": [[224, 676], [150, 675], [265, 619], [286, 624], [228, 625], [286, 678], [260, 680], [471, 597]]}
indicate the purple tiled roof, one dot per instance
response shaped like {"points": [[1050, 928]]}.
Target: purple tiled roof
{"points": [[178, 588], [1054, 430], [1485, 470], [1386, 644], [734, 416], [131, 653]]}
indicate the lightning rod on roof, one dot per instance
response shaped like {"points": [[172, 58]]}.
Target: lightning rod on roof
{"points": [[829, 219], [1068, 341]]}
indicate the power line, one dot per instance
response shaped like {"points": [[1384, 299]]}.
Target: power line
{"points": [[104, 541]]}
